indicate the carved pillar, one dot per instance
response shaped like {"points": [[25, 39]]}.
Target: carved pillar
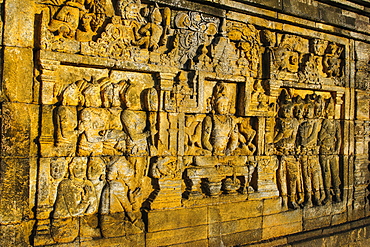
{"points": [[167, 119], [48, 79]]}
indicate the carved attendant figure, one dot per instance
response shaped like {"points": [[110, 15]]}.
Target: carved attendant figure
{"points": [[152, 31], [134, 124], [92, 123], [116, 202], [329, 142], [76, 202], [289, 171], [307, 146], [66, 120]]}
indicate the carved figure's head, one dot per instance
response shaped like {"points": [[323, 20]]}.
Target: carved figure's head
{"points": [[77, 168], [71, 95], [95, 168], [107, 92], [156, 16], [330, 108], [92, 96], [131, 99], [309, 112], [319, 106], [58, 168], [319, 46], [268, 38], [222, 105], [132, 11], [286, 110]]}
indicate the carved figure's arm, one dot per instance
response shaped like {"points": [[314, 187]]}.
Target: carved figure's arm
{"points": [[314, 133], [280, 134], [206, 134], [338, 136], [233, 141]]}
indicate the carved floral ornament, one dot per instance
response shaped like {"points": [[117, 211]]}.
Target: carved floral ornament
{"points": [[214, 121]]}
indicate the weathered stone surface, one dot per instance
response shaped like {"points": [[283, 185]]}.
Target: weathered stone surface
{"points": [[178, 218], [18, 74], [14, 188], [18, 32], [184, 123], [235, 226], [16, 129], [176, 236]]}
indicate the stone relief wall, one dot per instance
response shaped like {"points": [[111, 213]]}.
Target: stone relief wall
{"points": [[146, 108]]}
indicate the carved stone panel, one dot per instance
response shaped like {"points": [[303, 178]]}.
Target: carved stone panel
{"points": [[146, 108]]}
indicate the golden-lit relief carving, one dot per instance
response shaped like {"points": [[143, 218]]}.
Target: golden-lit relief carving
{"points": [[307, 142], [146, 107], [223, 147]]}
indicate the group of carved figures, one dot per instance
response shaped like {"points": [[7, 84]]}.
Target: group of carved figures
{"points": [[307, 141], [103, 147], [82, 19], [120, 29], [90, 120], [96, 196]]}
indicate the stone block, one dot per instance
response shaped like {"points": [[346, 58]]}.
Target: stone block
{"points": [[240, 238], [338, 218], [357, 214], [18, 74], [311, 242], [276, 4], [19, 23], [136, 240], [159, 220], [284, 218], [360, 223], [319, 222], [15, 130], [199, 243], [234, 211], [296, 20], [272, 206], [176, 236], [14, 190], [300, 237], [272, 242], [230, 227], [306, 9], [281, 230], [315, 212]]}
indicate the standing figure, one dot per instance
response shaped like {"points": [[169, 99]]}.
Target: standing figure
{"points": [[58, 171], [66, 121], [75, 205], [307, 147], [289, 172], [116, 209], [92, 123], [96, 174], [330, 141], [134, 123]]}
